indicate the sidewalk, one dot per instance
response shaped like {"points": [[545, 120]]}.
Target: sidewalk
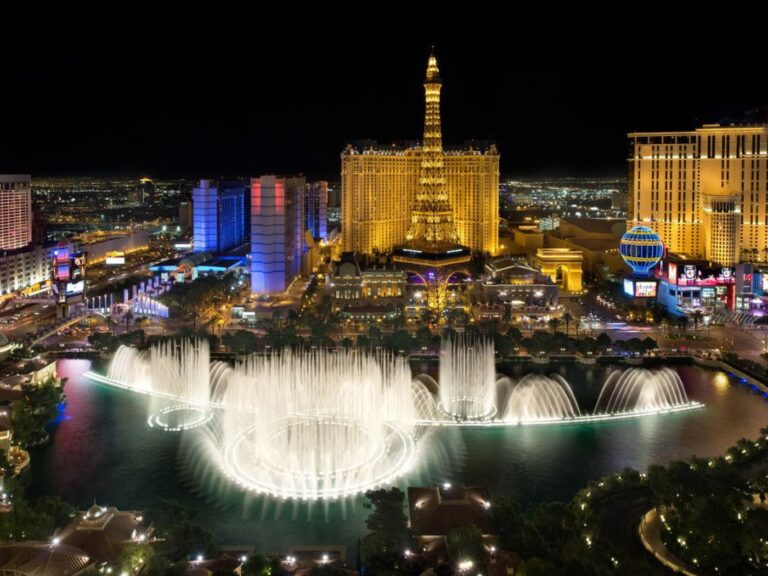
{"points": [[650, 536]]}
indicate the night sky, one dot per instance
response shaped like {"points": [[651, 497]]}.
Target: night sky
{"points": [[132, 89]]}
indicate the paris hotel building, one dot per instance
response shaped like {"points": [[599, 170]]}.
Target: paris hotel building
{"points": [[704, 192], [379, 185]]}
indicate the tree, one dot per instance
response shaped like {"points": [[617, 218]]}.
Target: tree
{"points": [[400, 340], [649, 344], [567, 317], [465, 543], [128, 317], [182, 535], [260, 565], [587, 345], [423, 337], [697, 316], [108, 342], [603, 341], [38, 407], [241, 341], [374, 335], [383, 546], [135, 556], [554, 324], [508, 521]]}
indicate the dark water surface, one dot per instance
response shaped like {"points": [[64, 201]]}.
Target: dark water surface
{"points": [[103, 449]]}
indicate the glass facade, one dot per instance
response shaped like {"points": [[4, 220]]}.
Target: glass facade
{"points": [[219, 215]]}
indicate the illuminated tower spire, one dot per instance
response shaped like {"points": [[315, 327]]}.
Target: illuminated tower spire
{"points": [[432, 217]]}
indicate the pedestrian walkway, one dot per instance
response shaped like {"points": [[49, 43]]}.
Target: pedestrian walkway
{"points": [[650, 536], [735, 318]]}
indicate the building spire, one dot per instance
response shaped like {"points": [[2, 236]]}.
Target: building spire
{"points": [[433, 73], [432, 217]]}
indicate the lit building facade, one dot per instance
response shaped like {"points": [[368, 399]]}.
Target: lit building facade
{"points": [[277, 232], [147, 191], [15, 211], [704, 192], [316, 208], [382, 187], [27, 269], [219, 215], [562, 265], [377, 283]]}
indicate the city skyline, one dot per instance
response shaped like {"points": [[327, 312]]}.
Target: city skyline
{"points": [[176, 93], [395, 292]]}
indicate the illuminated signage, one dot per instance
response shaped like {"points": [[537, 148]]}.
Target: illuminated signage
{"points": [[61, 271], [75, 288], [726, 273], [690, 272], [672, 271], [114, 260], [645, 289], [629, 289]]}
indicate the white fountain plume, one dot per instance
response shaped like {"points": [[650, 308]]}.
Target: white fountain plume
{"points": [[181, 370], [130, 369], [537, 397], [318, 424], [468, 379], [641, 390]]}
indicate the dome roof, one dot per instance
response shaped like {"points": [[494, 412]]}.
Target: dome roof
{"points": [[95, 512], [641, 248]]}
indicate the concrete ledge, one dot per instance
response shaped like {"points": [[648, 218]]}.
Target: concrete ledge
{"points": [[725, 367]]}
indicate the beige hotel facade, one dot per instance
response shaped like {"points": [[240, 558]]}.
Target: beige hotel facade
{"points": [[704, 192]]}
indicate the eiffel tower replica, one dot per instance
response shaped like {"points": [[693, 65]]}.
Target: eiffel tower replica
{"points": [[432, 248]]}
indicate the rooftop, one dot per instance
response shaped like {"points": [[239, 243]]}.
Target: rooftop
{"points": [[438, 510]]}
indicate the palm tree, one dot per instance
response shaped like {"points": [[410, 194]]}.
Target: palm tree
{"points": [[216, 320], [554, 323], [567, 318]]}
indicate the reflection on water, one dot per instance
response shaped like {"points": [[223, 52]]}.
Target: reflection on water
{"points": [[721, 381], [103, 449]]}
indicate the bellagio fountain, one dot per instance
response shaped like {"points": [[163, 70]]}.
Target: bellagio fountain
{"points": [[328, 424]]}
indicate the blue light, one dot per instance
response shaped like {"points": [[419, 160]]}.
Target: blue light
{"points": [[642, 249]]}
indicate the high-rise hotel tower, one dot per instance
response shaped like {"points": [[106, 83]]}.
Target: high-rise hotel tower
{"points": [[15, 211], [704, 192], [382, 186]]}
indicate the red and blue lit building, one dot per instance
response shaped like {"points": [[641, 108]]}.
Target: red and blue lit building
{"points": [[277, 232]]}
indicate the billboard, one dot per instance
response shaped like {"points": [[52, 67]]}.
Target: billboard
{"points": [[629, 288], [74, 288], [115, 258], [645, 289], [60, 264]]}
